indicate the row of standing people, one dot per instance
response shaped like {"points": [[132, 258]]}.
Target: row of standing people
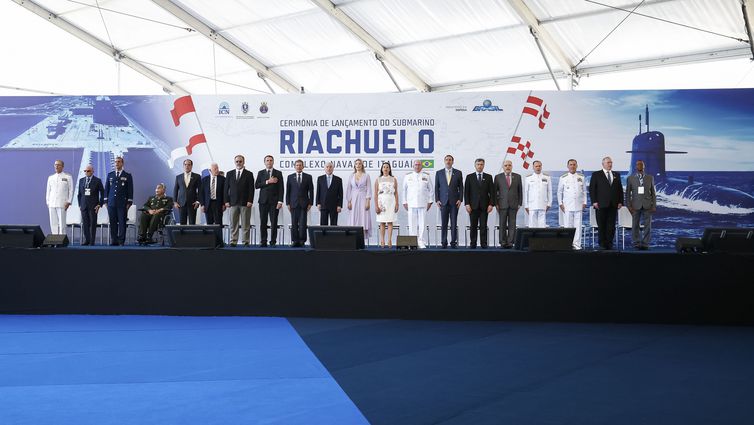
{"points": [[479, 192]]}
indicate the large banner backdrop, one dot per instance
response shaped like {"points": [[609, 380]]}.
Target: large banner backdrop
{"points": [[698, 143]]}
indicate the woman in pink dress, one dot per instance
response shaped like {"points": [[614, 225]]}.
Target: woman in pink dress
{"points": [[358, 195]]}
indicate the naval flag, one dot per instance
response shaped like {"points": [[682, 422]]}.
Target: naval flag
{"points": [[186, 119]]}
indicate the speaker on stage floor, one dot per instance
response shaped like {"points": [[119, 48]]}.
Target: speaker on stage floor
{"points": [[55, 241], [407, 242], [20, 236], [689, 245], [194, 236], [336, 238], [545, 239], [731, 239]]}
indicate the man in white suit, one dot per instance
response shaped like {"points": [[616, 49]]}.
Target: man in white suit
{"points": [[418, 196], [59, 197]]}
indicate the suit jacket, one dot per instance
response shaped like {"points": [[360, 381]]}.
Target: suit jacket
{"points": [[239, 189], [97, 193], [269, 193], [299, 195], [479, 195], [332, 197], [648, 200], [120, 192], [205, 193], [509, 197], [187, 195], [448, 193], [602, 192]]}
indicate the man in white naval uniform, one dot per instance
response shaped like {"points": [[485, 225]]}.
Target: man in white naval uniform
{"points": [[572, 200], [537, 195], [59, 197], [418, 197]]}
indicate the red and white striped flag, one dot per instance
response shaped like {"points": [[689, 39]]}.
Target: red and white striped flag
{"points": [[539, 110], [186, 119]]}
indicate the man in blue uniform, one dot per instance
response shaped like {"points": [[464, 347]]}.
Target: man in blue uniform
{"points": [[119, 195]]}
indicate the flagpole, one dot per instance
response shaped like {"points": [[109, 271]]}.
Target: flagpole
{"points": [[209, 151], [515, 130]]}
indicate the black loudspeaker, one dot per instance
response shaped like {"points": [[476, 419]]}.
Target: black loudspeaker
{"points": [[55, 241], [336, 238], [732, 239], [407, 242], [545, 239], [21, 236], [689, 245], [195, 236]]}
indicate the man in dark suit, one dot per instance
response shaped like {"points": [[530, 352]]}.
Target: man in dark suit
{"points": [[119, 195], [239, 197], [270, 184], [329, 196], [449, 195], [479, 195], [509, 195], [186, 193], [91, 197], [299, 196], [212, 195], [606, 192]]}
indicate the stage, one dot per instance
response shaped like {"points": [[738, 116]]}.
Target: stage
{"points": [[625, 287]]}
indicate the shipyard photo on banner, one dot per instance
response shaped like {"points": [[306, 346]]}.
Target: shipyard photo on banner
{"points": [[698, 144]]}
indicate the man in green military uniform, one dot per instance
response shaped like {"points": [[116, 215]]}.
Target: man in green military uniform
{"points": [[153, 213]]}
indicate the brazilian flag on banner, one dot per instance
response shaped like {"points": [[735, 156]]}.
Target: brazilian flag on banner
{"points": [[428, 163]]}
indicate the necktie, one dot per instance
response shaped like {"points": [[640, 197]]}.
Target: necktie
{"points": [[479, 177], [447, 175], [213, 189], [117, 175], [88, 179], [269, 174], [186, 179], [610, 177], [508, 179], [298, 177], [329, 179]]}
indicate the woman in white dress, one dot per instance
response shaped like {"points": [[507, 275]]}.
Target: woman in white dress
{"points": [[386, 202]]}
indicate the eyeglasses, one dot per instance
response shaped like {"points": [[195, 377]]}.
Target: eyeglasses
{"points": [[88, 171], [239, 162]]}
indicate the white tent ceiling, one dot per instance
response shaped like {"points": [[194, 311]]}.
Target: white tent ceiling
{"points": [[245, 46]]}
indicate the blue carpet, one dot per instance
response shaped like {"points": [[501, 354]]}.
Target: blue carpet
{"points": [[163, 370], [415, 372]]}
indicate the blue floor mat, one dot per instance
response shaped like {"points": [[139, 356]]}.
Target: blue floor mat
{"points": [[160, 370]]}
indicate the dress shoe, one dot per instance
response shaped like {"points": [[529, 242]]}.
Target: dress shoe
{"points": [[444, 246], [454, 246], [232, 244], [246, 244], [472, 246], [263, 245], [484, 246], [272, 243]]}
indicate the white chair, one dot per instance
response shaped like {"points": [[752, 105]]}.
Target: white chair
{"points": [[131, 222], [625, 221], [73, 220], [593, 223], [226, 226], [200, 219], [103, 221]]}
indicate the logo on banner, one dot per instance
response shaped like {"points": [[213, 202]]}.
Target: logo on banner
{"points": [[487, 106], [263, 108], [223, 109], [245, 108], [428, 163]]}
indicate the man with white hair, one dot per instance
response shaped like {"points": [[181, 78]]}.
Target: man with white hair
{"points": [[418, 197], [59, 197], [211, 195]]}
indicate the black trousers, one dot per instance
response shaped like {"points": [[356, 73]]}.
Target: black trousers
{"points": [[89, 225], [268, 211], [187, 213], [449, 211], [606, 225], [213, 212], [326, 215], [478, 219], [298, 225]]}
